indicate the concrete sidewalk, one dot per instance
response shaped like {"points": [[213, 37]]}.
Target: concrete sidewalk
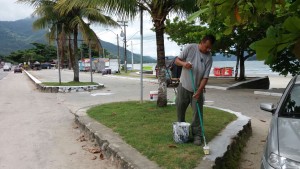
{"points": [[124, 156]]}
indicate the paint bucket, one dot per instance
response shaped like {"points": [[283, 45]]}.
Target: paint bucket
{"points": [[181, 132], [153, 95]]}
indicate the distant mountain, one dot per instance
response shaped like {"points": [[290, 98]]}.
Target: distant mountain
{"points": [[18, 35], [113, 49], [221, 57]]}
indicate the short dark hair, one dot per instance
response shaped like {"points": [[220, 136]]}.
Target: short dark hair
{"points": [[211, 38]]}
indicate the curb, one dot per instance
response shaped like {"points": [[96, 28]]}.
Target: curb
{"points": [[62, 89], [268, 93], [226, 146], [124, 156]]}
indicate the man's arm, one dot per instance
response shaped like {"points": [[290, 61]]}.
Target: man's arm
{"points": [[201, 87], [184, 64]]}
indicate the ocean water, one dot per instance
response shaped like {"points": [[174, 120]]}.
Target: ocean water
{"points": [[251, 67]]}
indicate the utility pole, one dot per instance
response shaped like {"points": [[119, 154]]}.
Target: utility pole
{"points": [[91, 65], [58, 58], [90, 57], [123, 34], [131, 56], [118, 48], [118, 54], [142, 45]]}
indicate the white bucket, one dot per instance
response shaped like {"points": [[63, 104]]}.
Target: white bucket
{"points": [[153, 95], [181, 132]]}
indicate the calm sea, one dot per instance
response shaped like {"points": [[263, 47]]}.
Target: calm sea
{"points": [[251, 67]]}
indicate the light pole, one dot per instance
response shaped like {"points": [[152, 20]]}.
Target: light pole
{"points": [[118, 48], [132, 49], [90, 57], [123, 34], [131, 56], [141, 31], [58, 58]]}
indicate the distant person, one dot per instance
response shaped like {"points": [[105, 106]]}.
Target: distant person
{"points": [[198, 58]]}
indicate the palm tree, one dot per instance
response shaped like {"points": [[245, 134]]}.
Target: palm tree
{"points": [[159, 10], [76, 16], [70, 21]]}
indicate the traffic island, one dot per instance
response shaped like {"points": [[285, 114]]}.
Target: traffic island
{"points": [[222, 146], [61, 89]]}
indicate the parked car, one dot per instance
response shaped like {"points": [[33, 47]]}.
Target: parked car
{"points": [[6, 68], [282, 148], [18, 69], [46, 65]]}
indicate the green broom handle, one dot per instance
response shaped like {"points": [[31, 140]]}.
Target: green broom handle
{"points": [[199, 112]]}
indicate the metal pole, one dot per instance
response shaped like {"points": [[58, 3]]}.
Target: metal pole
{"points": [[131, 56], [141, 31], [58, 58], [125, 53], [90, 56], [118, 53]]}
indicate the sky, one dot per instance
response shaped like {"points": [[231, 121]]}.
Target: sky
{"points": [[11, 11]]}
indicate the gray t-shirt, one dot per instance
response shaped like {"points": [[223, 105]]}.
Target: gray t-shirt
{"points": [[201, 66]]}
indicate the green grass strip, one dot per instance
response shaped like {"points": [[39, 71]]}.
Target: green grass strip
{"points": [[148, 128]]}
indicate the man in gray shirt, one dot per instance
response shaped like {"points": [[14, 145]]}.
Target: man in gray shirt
{"points": [[198, 58]]}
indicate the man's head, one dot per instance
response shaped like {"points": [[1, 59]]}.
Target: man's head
{"points": [[207, 43]]}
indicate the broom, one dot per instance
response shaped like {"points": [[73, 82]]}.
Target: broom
{"points": [[206, 147]]}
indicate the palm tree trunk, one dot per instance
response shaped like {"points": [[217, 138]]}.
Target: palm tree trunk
{"points": [[62, 45], [75, 66], [161, 65], [242, 66], [71, 56]]}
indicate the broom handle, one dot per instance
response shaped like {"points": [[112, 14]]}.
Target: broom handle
{"points": [[198, 108]]}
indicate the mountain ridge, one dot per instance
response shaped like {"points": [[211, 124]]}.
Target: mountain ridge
{"points": [[19, 34]]}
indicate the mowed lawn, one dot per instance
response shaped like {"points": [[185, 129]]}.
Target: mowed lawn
{"points": [[148, 128]]}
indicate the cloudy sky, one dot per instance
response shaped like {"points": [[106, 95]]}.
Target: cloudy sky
{"points": [[11, 11]]}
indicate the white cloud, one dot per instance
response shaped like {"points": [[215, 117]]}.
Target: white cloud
{"points": [[11, 11], [133, 34]]}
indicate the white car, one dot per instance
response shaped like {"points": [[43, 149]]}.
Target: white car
{"points": [[6, 68]]}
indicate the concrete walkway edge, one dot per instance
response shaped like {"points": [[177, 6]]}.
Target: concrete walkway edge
{"points": [[219, 145], [124, 156], [62, 89], [121, 154]]}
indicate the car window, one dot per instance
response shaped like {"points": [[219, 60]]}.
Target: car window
{"points": [[292, 103]]}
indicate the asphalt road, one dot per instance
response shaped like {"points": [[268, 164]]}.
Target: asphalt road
{"points": [[37, 131], [244, 101], [3, 74], [122, 89]]}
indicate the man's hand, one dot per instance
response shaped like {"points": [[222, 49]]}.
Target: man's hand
{"points": [[187, 65], [197, 95]]}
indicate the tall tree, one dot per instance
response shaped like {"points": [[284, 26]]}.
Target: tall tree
{"points": [[158, 10], [234, 43], [70, 21], [282, 35], [76, 16]]}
